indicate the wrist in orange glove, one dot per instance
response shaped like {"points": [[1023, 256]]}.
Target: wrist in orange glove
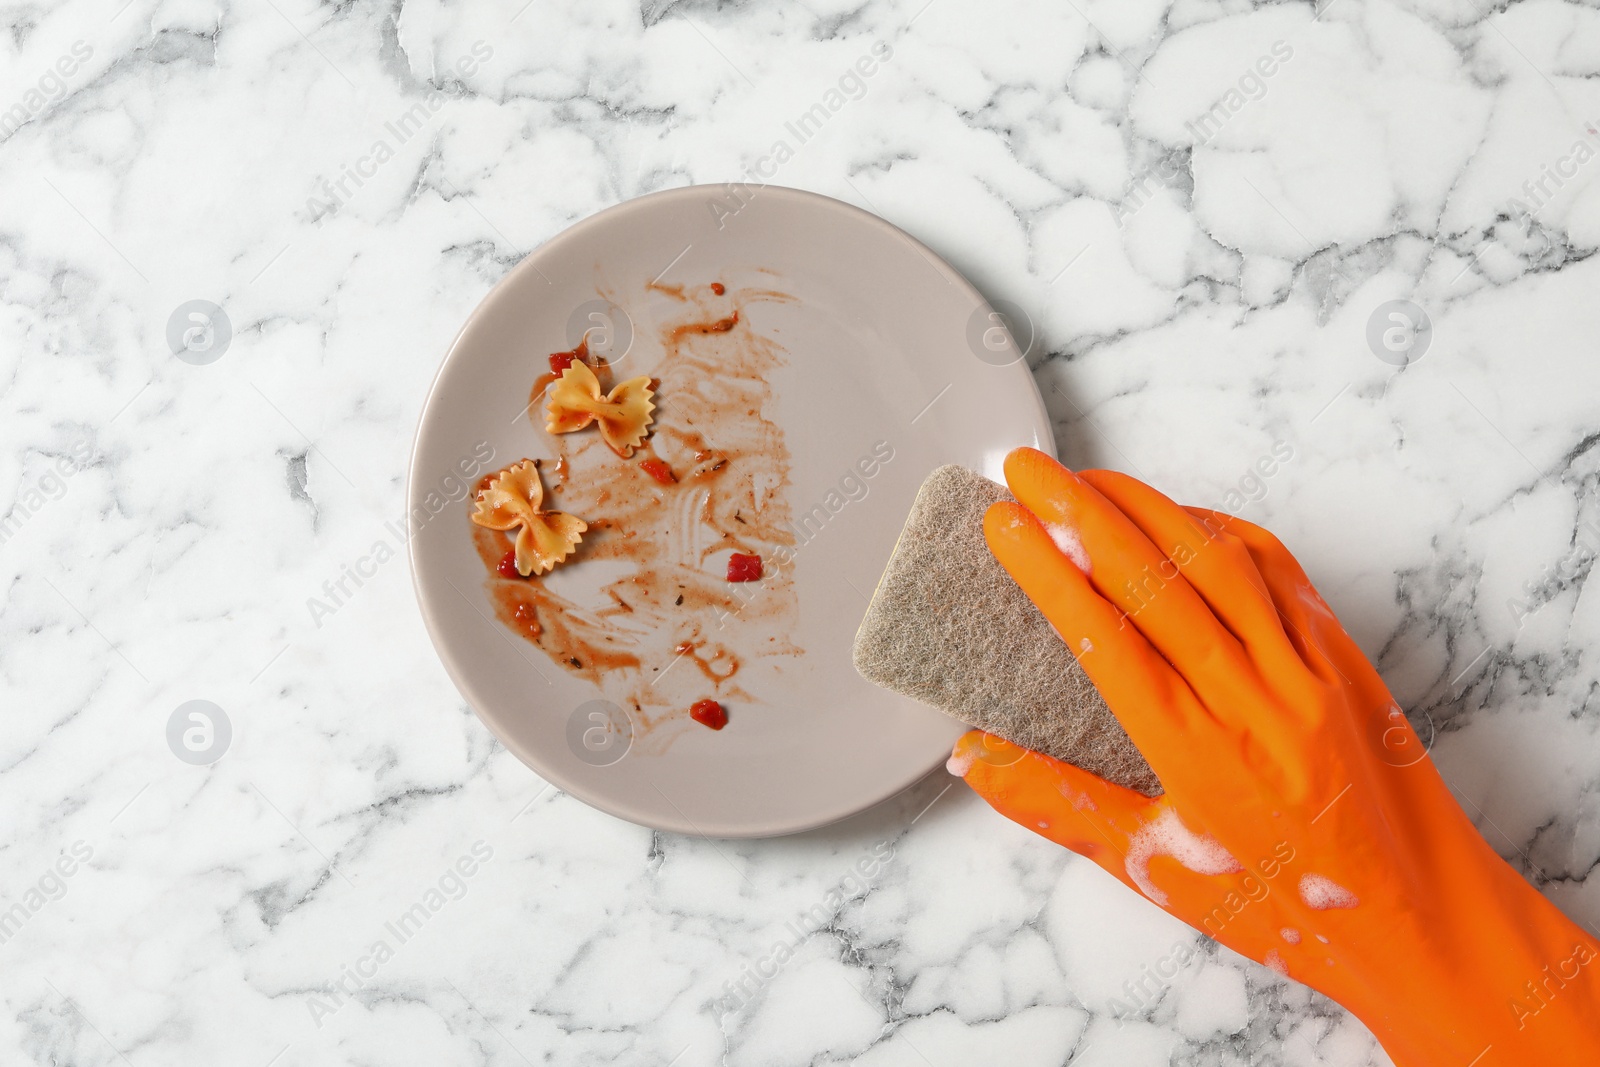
{"points": [[1303, 824]]}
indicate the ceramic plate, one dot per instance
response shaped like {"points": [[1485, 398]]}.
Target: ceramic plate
{"points": [[811, 364]]}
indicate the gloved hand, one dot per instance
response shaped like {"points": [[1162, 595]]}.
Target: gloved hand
{"points": [[1303, 824]]}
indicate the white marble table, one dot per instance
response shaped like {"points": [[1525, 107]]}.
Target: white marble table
{"points": [[1203, 248]]}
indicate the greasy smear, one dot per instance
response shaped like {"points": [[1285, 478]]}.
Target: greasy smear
{"points": [[526, 605], [667, 624]]}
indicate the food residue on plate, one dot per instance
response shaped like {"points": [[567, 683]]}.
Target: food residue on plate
{"points": [[576, 401], [658, 470], [744, 568], [709, 713], [512, 499], [683, 485]]}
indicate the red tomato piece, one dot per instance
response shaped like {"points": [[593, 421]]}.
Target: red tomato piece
{"points": [[743, 568], [507, 567], [658, 470], [709, 713]]}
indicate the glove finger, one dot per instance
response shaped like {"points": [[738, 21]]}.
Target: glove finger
{"points": [[1216, 564], [1308, 621], [1131, 573], [1068, 805], [1140, 841], [1155, 706]]}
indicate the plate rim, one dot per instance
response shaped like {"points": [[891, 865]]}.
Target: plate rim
{"points": [[529, 264]]}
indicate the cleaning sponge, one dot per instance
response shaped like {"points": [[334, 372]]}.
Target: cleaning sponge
{"points": [[947, 626]]}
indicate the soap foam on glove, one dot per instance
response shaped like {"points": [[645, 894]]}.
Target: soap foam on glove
{"points": [[1287, 830]]}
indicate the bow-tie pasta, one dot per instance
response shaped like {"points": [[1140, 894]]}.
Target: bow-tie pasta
{"points": [[624, 414], [512, 499]]}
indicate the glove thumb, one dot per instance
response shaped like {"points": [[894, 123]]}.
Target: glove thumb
{"points": [[1068, 805]]}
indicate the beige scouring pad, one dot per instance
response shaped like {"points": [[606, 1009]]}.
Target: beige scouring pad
{"points": [[949, 627]]}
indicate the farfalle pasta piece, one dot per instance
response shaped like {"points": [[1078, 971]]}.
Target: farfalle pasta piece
{"points": [[624, 414], [512, 500]]}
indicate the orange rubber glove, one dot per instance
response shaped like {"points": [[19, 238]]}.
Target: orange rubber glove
{"points": [[1303, 823]]}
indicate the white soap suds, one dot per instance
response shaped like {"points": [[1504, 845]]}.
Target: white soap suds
{"points": [[1167, 836], [1081, 801], [1275, 961], [960, 763], [1066, 539], [1014, 521], [1324, 893], [1291, 935], [1324, 940]]}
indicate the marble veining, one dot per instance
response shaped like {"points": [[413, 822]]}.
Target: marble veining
{"points": [[1200, 212]]}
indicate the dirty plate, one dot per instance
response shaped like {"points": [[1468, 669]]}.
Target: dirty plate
{"points": [[810, 364]]}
